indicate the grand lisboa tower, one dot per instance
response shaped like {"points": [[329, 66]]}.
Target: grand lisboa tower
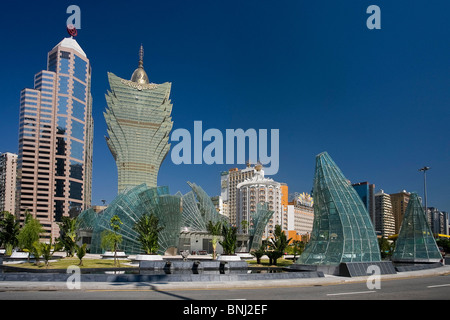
{"points": [[139, 122]]}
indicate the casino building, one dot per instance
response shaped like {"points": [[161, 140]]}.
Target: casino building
{"points": [[139, 122]]}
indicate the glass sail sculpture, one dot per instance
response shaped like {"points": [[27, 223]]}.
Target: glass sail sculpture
{"points": [[258, 223], [191, 212], [342, 230], [415, 242]]}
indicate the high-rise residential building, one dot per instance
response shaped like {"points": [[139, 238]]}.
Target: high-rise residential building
{"points": [[438, 220], [139, 123], [284, 206], [8, 173], [399, 202], [54, 167], [366, 192], [384, 218], [228, 184], [301, 215], [259, 189]]}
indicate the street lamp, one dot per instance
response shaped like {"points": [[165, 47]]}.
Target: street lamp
{"points": [[425, 169]]}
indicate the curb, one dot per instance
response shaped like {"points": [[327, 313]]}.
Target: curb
{"points": [[215, 285]]}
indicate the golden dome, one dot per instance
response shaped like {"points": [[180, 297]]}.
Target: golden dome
{"points": [[140, 76]]}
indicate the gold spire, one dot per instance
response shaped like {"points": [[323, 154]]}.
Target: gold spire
{"points": [[139, 75]]}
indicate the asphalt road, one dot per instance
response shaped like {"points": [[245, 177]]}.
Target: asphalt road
{"points": [[424, 288]]}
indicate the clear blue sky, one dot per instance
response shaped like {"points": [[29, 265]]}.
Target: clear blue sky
{"points": [[377, 100]]}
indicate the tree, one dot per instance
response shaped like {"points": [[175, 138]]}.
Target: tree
{"points": [[47, 250], [229, 242], [296, 247], [386, 247], [9, 231], [68, 235], [148, 230], [111, 239], [277, 245], [215, 230], [81, 252], [36, 251], [259, 253], [30, 233]]}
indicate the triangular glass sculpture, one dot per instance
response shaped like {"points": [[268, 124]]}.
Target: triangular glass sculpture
{"points": [[342, 230], [415, 242]]}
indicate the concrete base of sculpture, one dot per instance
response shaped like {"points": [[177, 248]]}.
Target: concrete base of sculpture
{"points": [[118, 255], [225, 257], [244, 255], [148, 257]]}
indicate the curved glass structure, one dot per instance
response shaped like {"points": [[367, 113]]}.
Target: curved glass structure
{"points": [[415, 242], [257, 225], [189, 212], [342, 230]]}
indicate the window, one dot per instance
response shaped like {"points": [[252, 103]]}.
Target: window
{"points": [[59, 192], [76, 191], [76, 170], [78, 110], [63, 85], [52, 62], [79, 90], [64, 66], [60, 163], [77, 150], [62, 125], [80, 69], [62, 105], [77, 130], [61, 146]]}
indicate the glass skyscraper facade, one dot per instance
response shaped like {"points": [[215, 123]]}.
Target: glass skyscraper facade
{"points": [[342, 230], [139, 124], [55, 139]]}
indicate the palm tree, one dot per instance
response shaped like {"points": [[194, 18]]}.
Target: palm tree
{"points": [[215, 230], [111, 239], [277, 244], [229, 242], [259, 253], [47, 252], [81, 252], [68, 235], [148, 230]]}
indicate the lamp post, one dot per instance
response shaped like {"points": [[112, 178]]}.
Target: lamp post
{"points": [[425, 169]]}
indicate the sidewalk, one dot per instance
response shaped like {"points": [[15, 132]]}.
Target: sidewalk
{"points": [[162, 286]]}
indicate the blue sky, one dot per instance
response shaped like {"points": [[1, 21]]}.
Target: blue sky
{"points": [[376, 100]]}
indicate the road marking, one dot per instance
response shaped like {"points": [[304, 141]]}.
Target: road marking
{"points": [[343, 293], [439, 285]]}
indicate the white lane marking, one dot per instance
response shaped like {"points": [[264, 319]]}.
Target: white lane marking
{"points": [[439, 285], [343, 293]]}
